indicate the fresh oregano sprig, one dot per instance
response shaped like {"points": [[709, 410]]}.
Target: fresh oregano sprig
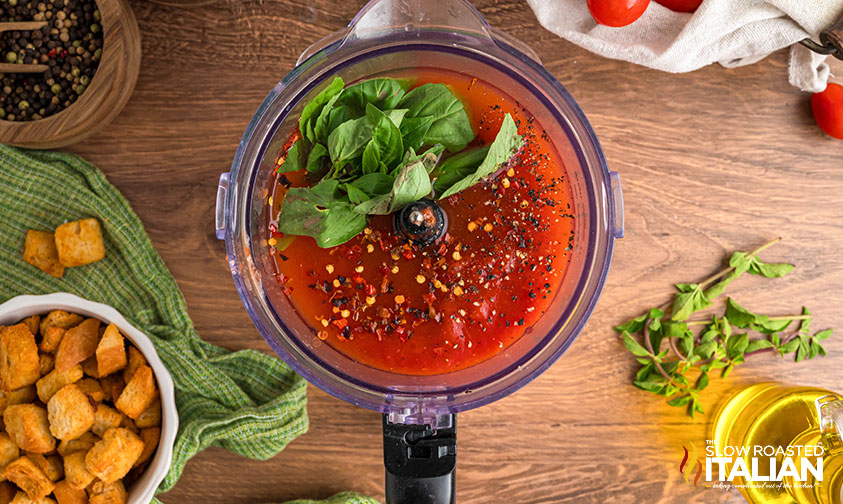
{"points": [[676, 359]]}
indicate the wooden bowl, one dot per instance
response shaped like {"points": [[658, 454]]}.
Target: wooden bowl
{"points": [[106, 95]]}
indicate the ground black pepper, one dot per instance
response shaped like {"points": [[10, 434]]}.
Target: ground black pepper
{"points": [[70, 45]]}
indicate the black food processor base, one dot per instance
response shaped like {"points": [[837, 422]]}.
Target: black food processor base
{"points": [[420, 462]]}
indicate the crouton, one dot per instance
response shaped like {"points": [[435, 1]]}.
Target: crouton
{"points": [[51, 339], [19, 396], [55, 381], [78, 343], [79, 242], [111, 352], [83, 443], [89, 366], [92, 389], [106, 418], [112, 457], [138, 394], [60, 319], [76, 471], [33, 322], [107, 493], [46, 363], [9, 451], [150, 439], [39, 250], [19, 363], [151, 417], [7, 492], [29, 477], [22, 498], [71, 413], [28, 428], [112, 386], [66, 494], [51, 465], [136, 360]]}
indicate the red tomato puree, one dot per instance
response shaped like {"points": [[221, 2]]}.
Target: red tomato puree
{"points": [[451, 305]]}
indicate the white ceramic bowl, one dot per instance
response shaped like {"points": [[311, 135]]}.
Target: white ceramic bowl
{"points": [[18, 308]]}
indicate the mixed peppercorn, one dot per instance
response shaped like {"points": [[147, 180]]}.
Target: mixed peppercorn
{"points": [[70, 45]]}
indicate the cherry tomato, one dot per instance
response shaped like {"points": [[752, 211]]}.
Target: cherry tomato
{"points": [[617, 12], [681, 5], [828, 110]]}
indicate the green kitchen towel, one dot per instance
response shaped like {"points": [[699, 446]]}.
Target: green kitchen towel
{"points": [[247, 402]]}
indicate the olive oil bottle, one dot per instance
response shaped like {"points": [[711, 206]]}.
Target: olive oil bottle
{"points": [[776, 415]]}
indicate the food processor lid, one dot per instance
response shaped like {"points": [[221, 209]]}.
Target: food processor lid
{"points": [[448, 26]]}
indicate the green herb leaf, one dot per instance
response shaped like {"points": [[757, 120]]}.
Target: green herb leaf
{"points": [[374, 184], [450, 126], [702, 381], [320, 128], [348, 140], [688, 300], [790, 346], [321, 212], [770, 270], [383, 93], [823, 334], [413, 130], [458, 167], [314, 107], [355, 195], [802, 351], [293, 161], [633, 346], [679, 401], [506, 143], [314, 159], [758, 344], [411, 184], [385, 136], [736, 346]]}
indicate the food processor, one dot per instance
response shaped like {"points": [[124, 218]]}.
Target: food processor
{"points": [[419, 421]]}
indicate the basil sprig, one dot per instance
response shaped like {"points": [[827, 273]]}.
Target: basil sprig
{"points": [[359, 145]]}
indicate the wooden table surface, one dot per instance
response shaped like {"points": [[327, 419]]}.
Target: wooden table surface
{"points": [[712, 161]]}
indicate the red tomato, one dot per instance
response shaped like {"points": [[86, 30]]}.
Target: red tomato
{"points": [[681, 5], [828, 110], [617, 12]]}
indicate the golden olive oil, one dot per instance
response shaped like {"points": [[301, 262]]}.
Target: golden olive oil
{"points": [[772, 414]]}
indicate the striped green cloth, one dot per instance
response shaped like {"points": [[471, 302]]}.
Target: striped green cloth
{"points": [[247, 402]]}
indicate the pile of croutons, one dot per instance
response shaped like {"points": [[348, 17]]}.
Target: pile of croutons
{"points": [[74, 243], [81, 412]]}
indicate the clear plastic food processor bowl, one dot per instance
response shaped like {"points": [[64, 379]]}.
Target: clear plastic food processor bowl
{"points": [[390, 35]]}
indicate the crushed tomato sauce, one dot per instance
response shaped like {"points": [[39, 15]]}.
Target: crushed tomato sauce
{"points": [[448, 306]]}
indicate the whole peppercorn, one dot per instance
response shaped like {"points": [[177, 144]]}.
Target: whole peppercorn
{"points": [[11, 56]]}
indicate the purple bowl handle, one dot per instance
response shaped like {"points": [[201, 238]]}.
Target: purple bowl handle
{"points": [[617, 204], [222, 200]]}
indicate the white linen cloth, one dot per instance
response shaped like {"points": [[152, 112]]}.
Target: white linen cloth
{"points": [[730, 32]]}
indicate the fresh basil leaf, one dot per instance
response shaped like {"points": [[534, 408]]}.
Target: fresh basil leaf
{"points": [[320, 128], [371, 158], [702, 381], [294, 158], [355, 195], [413, 130], [805, 324], [384, 93], [741, 262], [386, 137], [411, 183], [802, 352], [506, 143], [679, 401], [645, 370], [633, 346], [374, 184], [314, 159], [720, 287], [314, 107], [450, 126], [337, 116], [655, 388], [348, 140], [705, 350], [322, 213], [685, 287], [396, 116], [457, 167]]}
